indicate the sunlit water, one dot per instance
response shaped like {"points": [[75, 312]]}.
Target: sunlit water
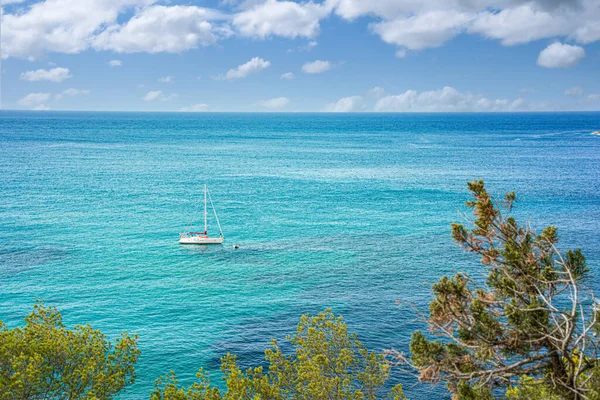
{"points": [[344, 211]]}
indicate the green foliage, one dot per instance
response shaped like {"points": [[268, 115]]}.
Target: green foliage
{"points": [[531, 317], [530, 389], [44, 360], [328, 363]]}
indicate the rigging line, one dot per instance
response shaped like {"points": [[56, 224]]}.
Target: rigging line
{"points": [[191, 220], [215, 212]]}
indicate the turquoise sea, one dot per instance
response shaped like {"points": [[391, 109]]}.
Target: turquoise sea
{"points": [[346, 211]]}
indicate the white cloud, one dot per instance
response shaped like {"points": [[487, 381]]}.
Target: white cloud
{"points": [[71, 92], [281, 18], [346, 104], [53, 75], [447, 99], [274, 104], [253, 66], [161, 29], [195, 108], [309, 46], [125, 26], [521, 24], [115, 63], [527, 90], [377, 92], [574, 91], [401, 53], [424, 24], [33, 99], [288, 76], [165, 79], [559, 55], [421, 31], [155, 95], [593, 97], [63, 26], [41, 107], [316, 67]]}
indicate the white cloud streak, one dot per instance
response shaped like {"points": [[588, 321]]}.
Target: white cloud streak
{"points": [[254, 66], [33, 99], [53, 75], [158, 95], [274, 104], [316, 67], [574, 91], [71, 92]]}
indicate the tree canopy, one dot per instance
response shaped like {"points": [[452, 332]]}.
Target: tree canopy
{"points": [[528, 327], [44, 360], [328, 363]]}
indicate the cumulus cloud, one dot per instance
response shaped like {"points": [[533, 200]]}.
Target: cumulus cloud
{"points": [[421, 31], [158, 95], [447, 99], [195, 108], [165, 79], [574, 91], [53, 75], [346, 104], [33, 99], [288, 76], [316, 67], [521, 24], [115, 63], [63, 26], [274, 104], [281, 18], [559, 55], [377, 92], [253, 66], [71, 92], [161, 29]]}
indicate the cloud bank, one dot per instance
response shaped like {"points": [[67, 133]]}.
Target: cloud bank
{"points": [[447, 99], [127, 26]]}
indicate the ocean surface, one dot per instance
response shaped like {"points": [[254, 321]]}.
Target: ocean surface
{"points": [[349, 211]]}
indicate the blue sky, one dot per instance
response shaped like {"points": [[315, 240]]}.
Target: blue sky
{"points": [[330, 55]]}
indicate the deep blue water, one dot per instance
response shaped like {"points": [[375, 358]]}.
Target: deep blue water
{"points": [[345, 211]]}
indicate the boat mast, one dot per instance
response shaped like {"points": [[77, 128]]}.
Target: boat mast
{"points": [[205, 214]]}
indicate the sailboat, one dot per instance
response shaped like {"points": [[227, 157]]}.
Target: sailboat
{"points": [[202, 237]]}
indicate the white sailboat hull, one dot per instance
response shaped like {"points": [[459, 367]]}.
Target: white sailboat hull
{"points": [[200, 240]]}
